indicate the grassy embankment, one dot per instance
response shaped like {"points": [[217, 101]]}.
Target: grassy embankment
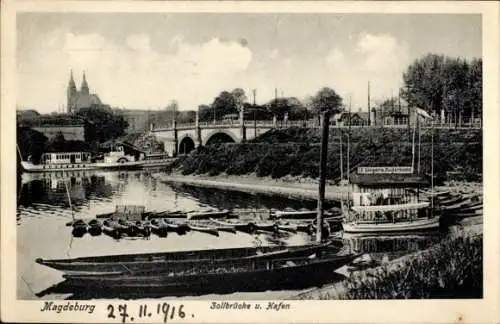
{"points": [[450, 269], [295, 152]]}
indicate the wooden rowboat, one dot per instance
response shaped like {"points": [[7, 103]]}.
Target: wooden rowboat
{"points": [[208, 214], [203, 228], [210, 224], [238, 275], [79, 228], [95, 227], [159, 228], [239, 225], [166, 260]]}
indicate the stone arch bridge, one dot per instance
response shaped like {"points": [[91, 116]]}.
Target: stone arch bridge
{"points": [[182, 139]]}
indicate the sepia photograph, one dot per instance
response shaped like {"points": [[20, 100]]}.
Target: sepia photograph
{"points": [[230, 157]]}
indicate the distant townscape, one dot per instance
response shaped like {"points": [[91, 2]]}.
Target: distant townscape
{"points": [[448, 89]]}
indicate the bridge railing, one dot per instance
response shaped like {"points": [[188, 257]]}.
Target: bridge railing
{"points": [[313, 123]]}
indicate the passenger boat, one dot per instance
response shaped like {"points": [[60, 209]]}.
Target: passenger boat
{"points": [[236, 275], [118, 160], [305, 214], [391, 225], [78, 161], [61, 161], [166, 260], [156, 160], [382, 204]]}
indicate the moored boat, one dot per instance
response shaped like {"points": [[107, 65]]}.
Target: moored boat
{"points": [[166, 260], [159, 228], [237, 275], [202, 228], [79, 228], [60, 161], [383, 204], [95, 227], [207, 214]]}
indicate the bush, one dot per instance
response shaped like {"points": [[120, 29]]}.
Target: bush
{"points": [[296, 151], [452, 269]]}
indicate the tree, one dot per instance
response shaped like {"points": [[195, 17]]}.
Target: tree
{"points": [[205, 113], [239, 97], [436, 82], [476, 87], [424, 82], [326, 99], [228, 103], [102, 124], [31, 144], [57, 143], [224, 104], [290, 105]]}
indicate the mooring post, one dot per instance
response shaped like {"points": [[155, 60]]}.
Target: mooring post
{"points": [[322, 176], [176, 140]]}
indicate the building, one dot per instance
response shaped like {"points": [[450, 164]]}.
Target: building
{"points": [[80, 99], [357, 119], [71, 127]]}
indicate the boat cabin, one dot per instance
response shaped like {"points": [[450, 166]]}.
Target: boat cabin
{"points": [[387, 196], [65, 158], [118, 155]]}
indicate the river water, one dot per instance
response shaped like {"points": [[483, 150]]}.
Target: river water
{"points": [[44, 209]]}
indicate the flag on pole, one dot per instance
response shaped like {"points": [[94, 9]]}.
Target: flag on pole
{"points": [[422, 113]]}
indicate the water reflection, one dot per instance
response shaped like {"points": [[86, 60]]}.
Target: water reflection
{"points": [[387, 247], [235, 200], [43, 211]]}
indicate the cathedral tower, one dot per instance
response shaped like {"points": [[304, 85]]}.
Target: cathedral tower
{"points": [[71, 94], [85, 87]]}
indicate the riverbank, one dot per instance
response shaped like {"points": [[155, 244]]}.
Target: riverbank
{"points": [[289, 187], [456, 154]]}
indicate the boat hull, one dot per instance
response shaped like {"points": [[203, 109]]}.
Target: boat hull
{"points": [[169, 260], [407, 226], [36, 168], [298, 276], [131, 165]]}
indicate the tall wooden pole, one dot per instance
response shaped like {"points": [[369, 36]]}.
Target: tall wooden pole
{"points": [[349, 141], [432, 167], [341, 158], [369, 110], [418, 161], [322, 175]]}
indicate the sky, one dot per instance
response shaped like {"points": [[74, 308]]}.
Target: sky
{"points": [[146, 60]]}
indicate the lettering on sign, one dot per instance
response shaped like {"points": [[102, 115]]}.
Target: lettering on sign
{"points": [[382, 170]]}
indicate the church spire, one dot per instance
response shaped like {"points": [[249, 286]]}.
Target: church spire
{"points": [[85, 87], [71, 84]]}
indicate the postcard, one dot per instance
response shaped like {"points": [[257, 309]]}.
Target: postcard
{"points": [[237, 162]]}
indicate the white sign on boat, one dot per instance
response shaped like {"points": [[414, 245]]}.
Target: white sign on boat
{"points": [[381, 170]]}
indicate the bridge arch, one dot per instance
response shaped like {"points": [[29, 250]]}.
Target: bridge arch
{"points": [[220, 136], [186, 145]]}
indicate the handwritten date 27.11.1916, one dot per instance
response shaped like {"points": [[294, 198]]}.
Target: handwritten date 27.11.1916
{"points": [[166, 310]]}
